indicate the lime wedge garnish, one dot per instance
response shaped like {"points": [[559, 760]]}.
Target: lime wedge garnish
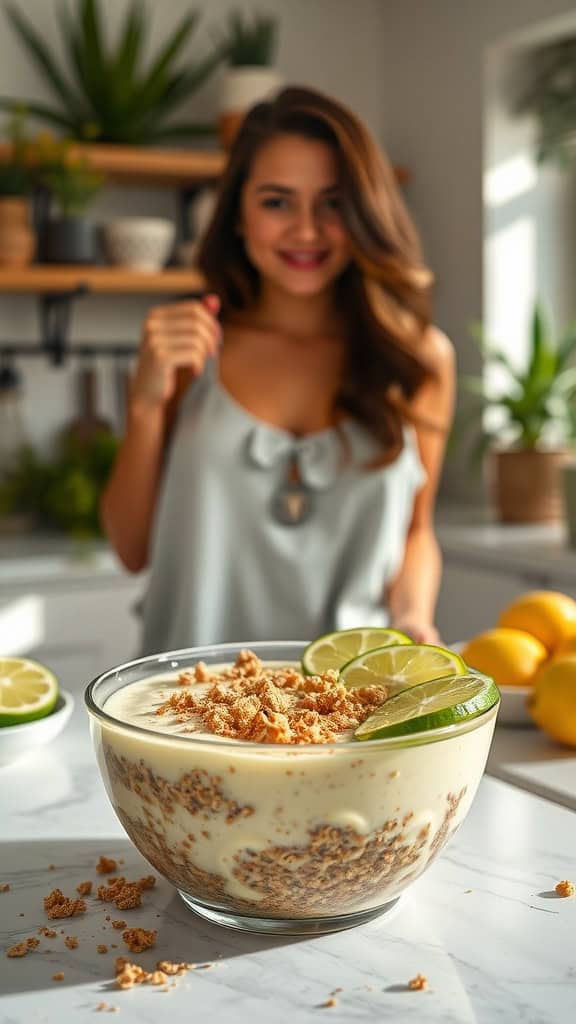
{"points": [[27, 691], [401, 666], [335, 649], [431, 705]]}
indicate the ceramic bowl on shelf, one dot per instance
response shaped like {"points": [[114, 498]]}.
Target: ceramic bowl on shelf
{"points": [[276, 838], [18, 740], [138, 243]]}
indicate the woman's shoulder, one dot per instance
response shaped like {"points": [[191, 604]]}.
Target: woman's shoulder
{"points": [[439, 350]]}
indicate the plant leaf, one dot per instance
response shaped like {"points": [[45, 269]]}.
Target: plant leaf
{"points": [[51, 114], [40, 54], [130, 46]]}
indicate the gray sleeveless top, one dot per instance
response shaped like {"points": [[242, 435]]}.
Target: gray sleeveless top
{"points": [[223, 568]]}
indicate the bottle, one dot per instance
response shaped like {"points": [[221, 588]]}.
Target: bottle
{"points": [[13, 436]]}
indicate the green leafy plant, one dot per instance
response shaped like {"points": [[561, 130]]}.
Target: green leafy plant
{"points": [[550, 95], [106, 93], [16, 174], [68, 176], [249, 42], [536, 405], [61, 491]]}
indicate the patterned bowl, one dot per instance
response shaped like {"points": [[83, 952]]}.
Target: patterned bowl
{"points": [[139, 243]]}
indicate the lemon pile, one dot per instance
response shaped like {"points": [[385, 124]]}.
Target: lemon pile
{"points": [[534, 645]]}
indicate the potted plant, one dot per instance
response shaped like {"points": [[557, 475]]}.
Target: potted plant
{"points": [[527, 425], [17, 238], [249, 48], [67, 235], [112, 90], [549, 94]]}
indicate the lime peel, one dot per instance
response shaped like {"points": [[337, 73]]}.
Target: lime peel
{"points": [[28, 691], [333, 650], [434, 704]]}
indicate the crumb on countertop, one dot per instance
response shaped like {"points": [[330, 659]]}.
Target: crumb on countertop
{"points": [[101, 948], [419, 983], [59, 976], [129, 974], [57, 905], [84, 889], [72, 942], [565, 888], [139, 939], [23, 948], [106, 865], [5, 887]]}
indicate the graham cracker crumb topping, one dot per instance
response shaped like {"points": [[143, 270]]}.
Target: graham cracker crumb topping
{"points": [[254, 702]]}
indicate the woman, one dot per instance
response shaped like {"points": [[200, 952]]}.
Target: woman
{"points": [[286, 432]]}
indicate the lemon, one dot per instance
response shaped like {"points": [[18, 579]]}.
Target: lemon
{"points": [[401, 666], [568, 646], [547, 614], [334, 649], [552, 703], [431, 705], [27, 691], [510, 656]]}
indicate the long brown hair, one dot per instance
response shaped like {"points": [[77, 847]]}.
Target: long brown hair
{"points": [[385, 291]]}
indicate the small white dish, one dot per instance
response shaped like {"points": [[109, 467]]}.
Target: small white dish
{"points": [[18, 740]]}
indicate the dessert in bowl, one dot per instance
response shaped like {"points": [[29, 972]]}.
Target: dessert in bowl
{"points": [[246, 789]]}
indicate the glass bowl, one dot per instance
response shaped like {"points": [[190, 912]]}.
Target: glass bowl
{"points": [[286, 839]]}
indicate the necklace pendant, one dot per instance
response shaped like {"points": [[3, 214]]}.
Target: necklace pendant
{"points": [[292, 504]]}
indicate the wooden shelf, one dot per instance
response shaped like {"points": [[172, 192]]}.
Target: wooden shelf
{"points": [[146, 166], [166, 167], [46, 279]]}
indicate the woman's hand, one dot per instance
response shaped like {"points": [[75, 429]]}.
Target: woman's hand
{"points": [[419, 632], [179, 335]]}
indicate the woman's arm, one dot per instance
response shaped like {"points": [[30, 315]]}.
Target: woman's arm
{"points": [[413, 593], [176, 342]]}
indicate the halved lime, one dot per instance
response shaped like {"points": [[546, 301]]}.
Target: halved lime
{"points": [[335, 649], [401, 666], [27, 691], [431, 705]]}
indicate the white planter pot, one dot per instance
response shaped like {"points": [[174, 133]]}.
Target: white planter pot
{"points": [[241, 88], [139, 243]]}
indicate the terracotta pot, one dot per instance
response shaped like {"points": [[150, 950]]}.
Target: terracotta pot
{"points": [[527, 485], [241, 88], [17, 239]]}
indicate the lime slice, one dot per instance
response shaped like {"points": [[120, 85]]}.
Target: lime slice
{"points": [[335, 649], [401, 666], [27, 691], [430, 705]]}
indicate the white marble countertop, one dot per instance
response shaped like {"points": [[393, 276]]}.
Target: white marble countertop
{"points": [[25, 558], [483, 925], [527, 758]]}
